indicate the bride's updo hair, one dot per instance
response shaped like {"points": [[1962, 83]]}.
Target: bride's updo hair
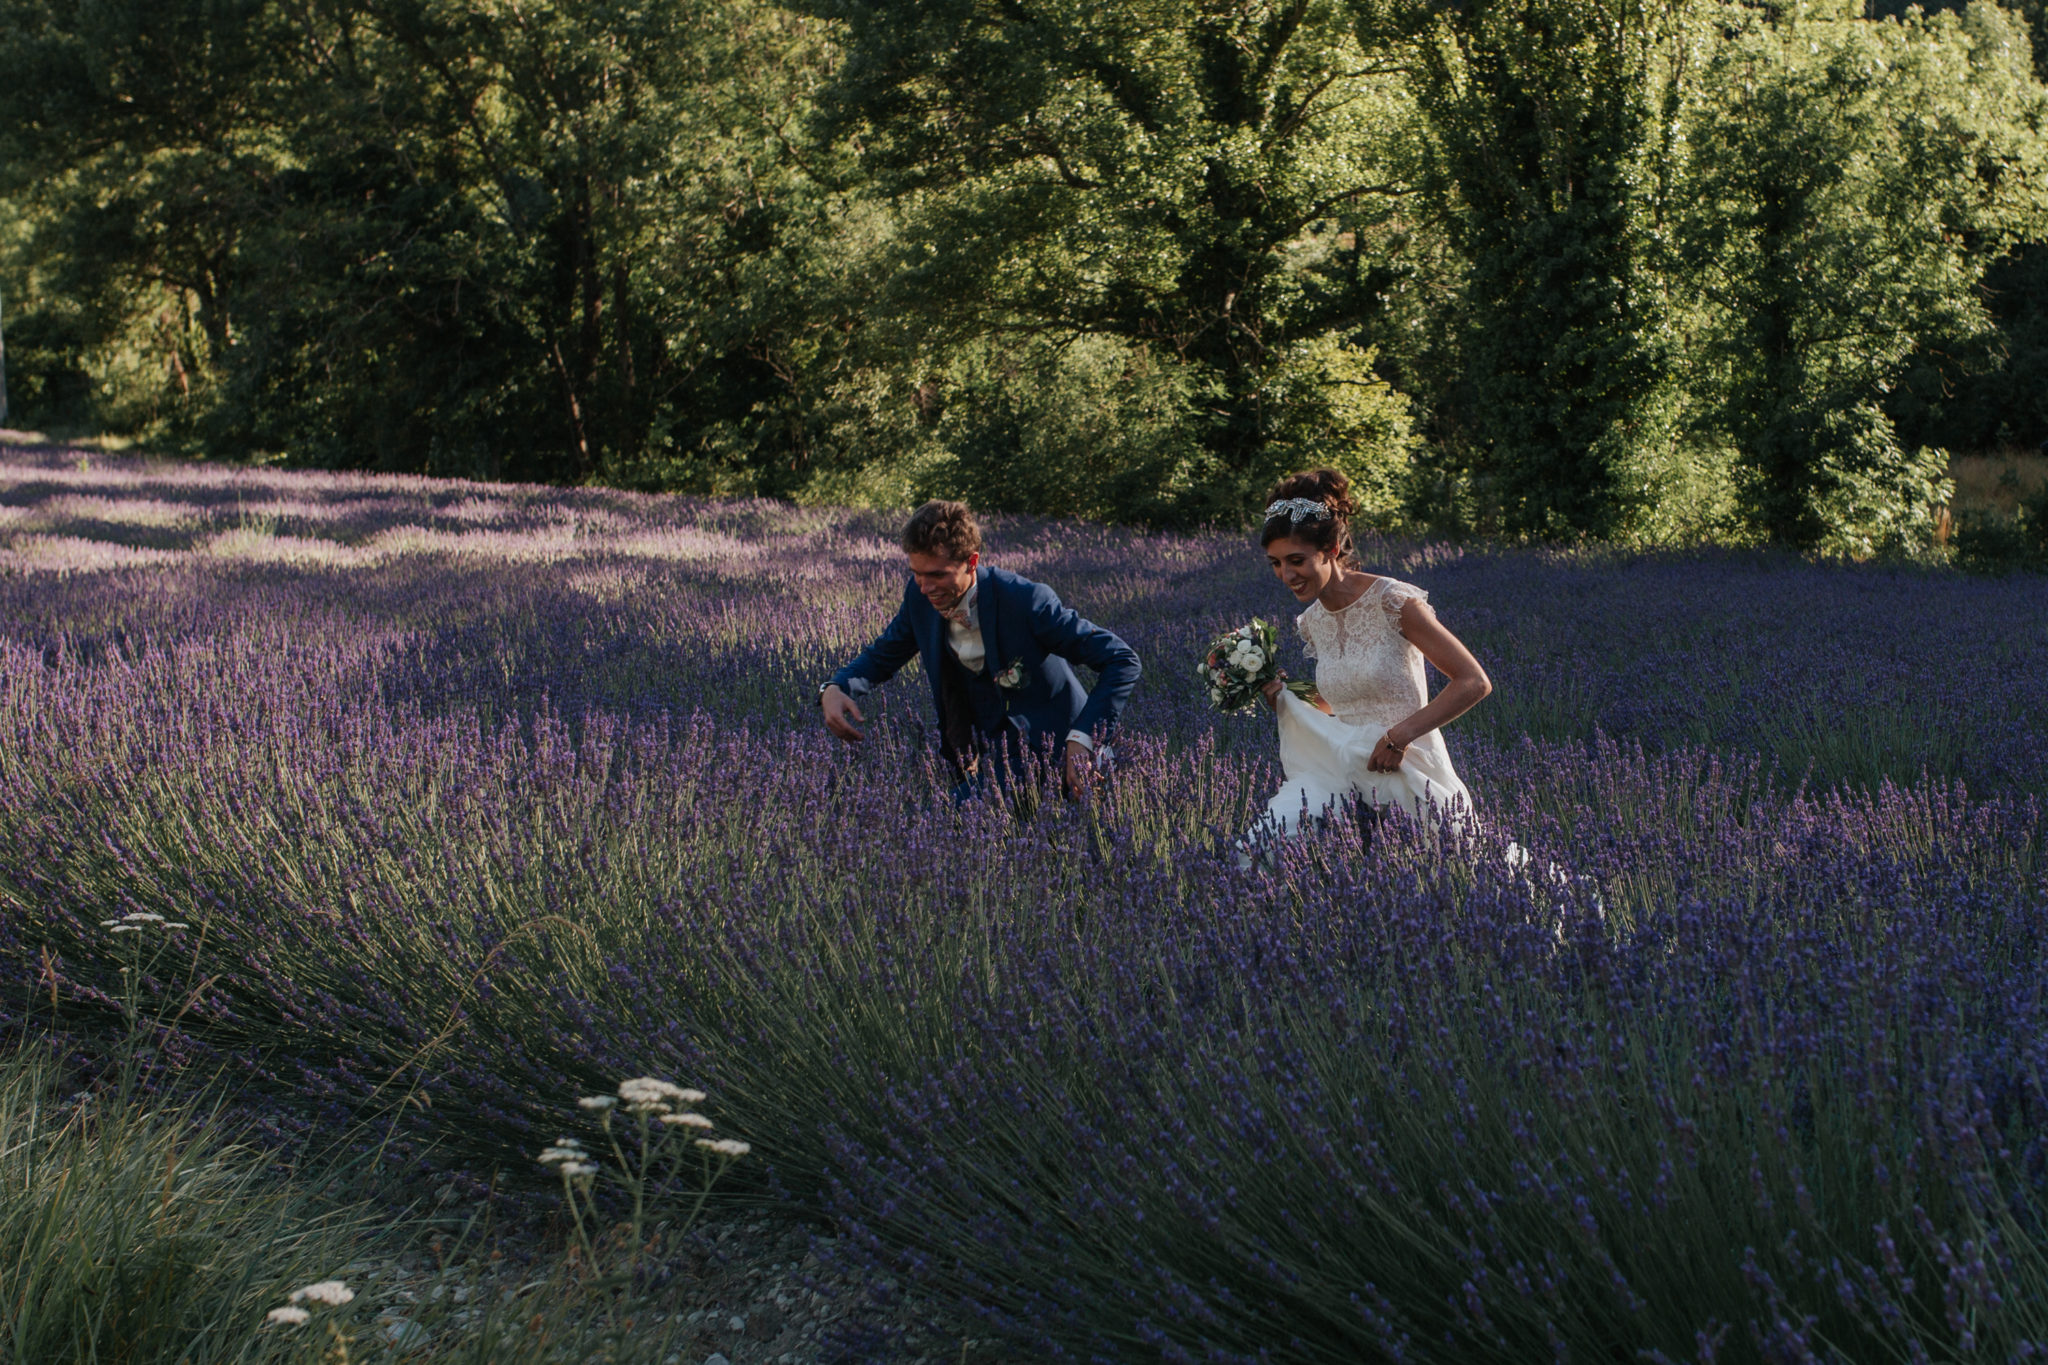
{"points": [[1328, 487]]}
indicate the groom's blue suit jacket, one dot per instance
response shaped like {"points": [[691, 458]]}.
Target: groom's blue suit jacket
{"points": [[1021, 622]]}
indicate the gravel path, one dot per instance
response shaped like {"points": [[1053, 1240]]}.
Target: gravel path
{"points": [[742, 1291]]}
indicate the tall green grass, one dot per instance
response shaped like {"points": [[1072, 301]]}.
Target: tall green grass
{"points": [[142, 1231]]}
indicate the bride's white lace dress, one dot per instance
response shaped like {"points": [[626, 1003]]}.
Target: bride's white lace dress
{"points": [[1372, 678]]}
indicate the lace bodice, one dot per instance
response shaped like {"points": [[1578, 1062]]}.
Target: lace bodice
{"points": [[1365, 667]]}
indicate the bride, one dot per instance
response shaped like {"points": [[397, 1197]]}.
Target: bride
{"points": [[1374, 731]]}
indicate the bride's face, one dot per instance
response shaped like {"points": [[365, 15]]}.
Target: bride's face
{"points": [[1301, 568]]}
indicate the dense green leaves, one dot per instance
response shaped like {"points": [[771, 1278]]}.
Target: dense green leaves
{"points": [[1186, 181], [1554, 152], [1536, 267], [1850, 191]]}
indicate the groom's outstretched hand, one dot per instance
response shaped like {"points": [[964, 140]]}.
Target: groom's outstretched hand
{"points": [[840, 713], [1078, 770]]}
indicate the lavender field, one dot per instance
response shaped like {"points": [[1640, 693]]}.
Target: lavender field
{"points": [[482, 797]]}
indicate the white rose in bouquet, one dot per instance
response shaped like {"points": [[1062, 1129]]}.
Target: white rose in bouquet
{"points": [[1240, 663]]}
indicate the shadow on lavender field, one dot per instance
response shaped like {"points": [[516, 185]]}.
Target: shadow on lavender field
{"points": [[477, 797]]}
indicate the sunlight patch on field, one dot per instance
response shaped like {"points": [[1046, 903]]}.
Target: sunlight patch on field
{"points": [[263, 547], [75, 554], [65, 511], [121, 511]]}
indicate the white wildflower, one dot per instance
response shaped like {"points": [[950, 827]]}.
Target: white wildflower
{"points": [[127, 928], [687, 1121], [578, 1170], [724, 1146], [142, 917], [569, 1142], [599, 1103], [176, 924], [333, 1293], [646, 1095], [288, 1317], [644, 1090], [549, 1156]]}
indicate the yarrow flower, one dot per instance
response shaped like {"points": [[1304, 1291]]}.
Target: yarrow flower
{"points": [[597, 1103], [645, 1095], [287, 1316], [132, 922], [725, 1146], [333, 1293], [687, 1121], [552, 1155], [578, 1170]]}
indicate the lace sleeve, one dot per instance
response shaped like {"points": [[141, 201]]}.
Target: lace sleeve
{"points": [[1308, 643], [1397, 596]]}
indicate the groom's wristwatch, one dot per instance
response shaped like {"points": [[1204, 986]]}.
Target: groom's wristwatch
{"points": [[823, 688]]}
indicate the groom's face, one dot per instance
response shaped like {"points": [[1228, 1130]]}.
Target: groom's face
{"points": [[943, 581]]}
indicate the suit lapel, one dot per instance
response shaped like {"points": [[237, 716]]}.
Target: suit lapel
{"points": [[990, 611], [931, 633]]}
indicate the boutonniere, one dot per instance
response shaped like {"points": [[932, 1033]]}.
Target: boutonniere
{"points": [[1011, 678]]}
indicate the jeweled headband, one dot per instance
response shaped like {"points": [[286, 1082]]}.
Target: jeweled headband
{"points": [[1298, 509]]}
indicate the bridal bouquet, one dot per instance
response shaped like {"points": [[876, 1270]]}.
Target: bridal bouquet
{"points": [[1242, 662]]}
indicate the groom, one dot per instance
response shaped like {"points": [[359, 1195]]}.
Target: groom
{"points": [[998, 651]]}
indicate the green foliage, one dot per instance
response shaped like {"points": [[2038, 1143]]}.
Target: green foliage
{"points": [[1989, 390], [139, 1233], [417, 235], [1552, 153], [1092, 428], [1850, 191], [143, 1232], [1990, 542], [1557, 268], [1185, 178]]}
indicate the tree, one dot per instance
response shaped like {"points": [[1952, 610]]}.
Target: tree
{"points": [[134, 133], [533, 236], [1553, 150], [510, 238], [1187, 178], [1851, 188]]}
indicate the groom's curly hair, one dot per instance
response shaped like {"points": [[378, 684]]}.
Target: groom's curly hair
{"points": [[942, 528]]}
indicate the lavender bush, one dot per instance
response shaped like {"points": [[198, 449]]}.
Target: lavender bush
{"points": [[478, 796]]}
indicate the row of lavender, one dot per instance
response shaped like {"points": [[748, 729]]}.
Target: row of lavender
{"points": [[642, 606], [1727, 1071]]}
